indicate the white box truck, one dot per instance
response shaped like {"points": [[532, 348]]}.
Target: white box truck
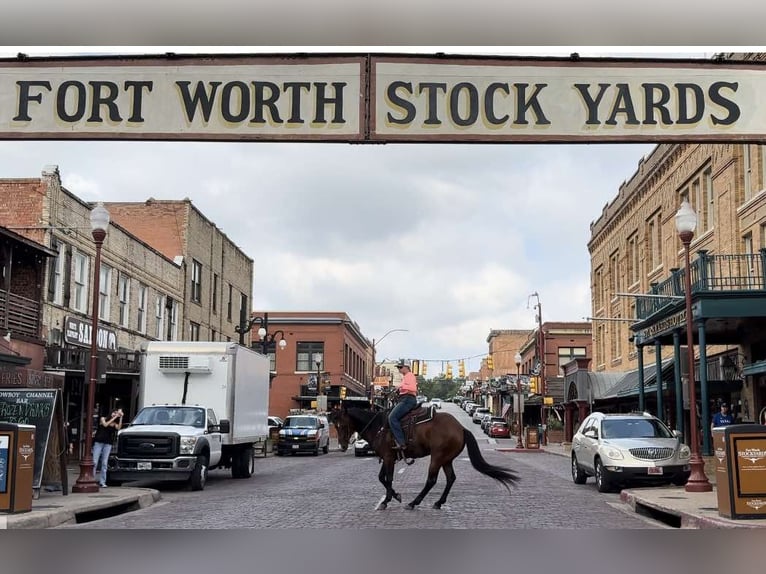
{"points": [[202, 405]]}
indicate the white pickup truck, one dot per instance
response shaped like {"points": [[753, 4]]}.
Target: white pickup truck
{"points": [[203, 405]]}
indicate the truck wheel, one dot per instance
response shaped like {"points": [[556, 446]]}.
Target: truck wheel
{"points": [[243, 463], [198, 477]]}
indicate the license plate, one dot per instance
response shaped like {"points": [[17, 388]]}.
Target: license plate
{"points": [[143, 466], [296, 446], [654, 470]]}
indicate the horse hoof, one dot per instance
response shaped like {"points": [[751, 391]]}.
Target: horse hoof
{"points": [[382, 506], [410, 506], [437, 506], [398, 497]]}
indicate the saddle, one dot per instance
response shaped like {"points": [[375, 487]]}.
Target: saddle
{"points": [[416, 416]]}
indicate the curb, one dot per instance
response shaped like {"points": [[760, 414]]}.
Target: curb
{"points": [[49, 518], [514, 449], [687, 519]]}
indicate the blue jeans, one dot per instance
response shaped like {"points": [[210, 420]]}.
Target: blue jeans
{"points": [[406, 404], [101, 451]]}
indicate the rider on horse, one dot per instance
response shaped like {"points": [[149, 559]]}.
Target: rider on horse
{"points": [[408, 392]]}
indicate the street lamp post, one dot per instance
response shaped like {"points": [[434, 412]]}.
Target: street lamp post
{"points": [[374, 365], [686, 223], [266, 338], [86, 482], [517, 358], [320, 388]]}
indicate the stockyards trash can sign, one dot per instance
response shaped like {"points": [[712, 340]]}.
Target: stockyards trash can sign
{"points": [[376, 98], [4, 445]]}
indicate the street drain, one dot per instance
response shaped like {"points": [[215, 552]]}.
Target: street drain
{"points": [[658, 515], [108, 512]]}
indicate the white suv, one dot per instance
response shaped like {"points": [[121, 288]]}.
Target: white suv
{"points": [[619, 449], [479, 413]]}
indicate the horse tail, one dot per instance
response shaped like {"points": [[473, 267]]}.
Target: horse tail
{"points": [[503, 475]]}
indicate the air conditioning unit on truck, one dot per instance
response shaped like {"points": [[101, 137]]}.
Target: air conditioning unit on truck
{"points": [[202, 406]]}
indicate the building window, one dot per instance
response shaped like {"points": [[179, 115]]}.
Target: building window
{"points": [[243, 306], [614, 274], [754, 180], [123, 292], [763, 235], [567, 354], [306, 353], [172, 312], [600, 345], [193, 331], [196, 282], [215, 293], [271, 353], [228, 305], [634, 262], [56, 276], [159, 315], [141, 310], [598, 288], [749, 263], [80, 303], [654, 240], [698, 191], [213, 335], [105, 292]]}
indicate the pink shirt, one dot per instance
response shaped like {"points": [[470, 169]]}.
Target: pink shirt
{"points": [[409, 385]]}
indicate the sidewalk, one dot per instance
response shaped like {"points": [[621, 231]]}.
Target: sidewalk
{"points": [[672, 504], [54, 509]]}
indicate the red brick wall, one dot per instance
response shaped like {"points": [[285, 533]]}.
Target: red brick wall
{"points": [[161, 224], [21, 204]]}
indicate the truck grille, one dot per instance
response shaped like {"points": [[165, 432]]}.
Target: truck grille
{"points": [[148, 445], [652, 453]]}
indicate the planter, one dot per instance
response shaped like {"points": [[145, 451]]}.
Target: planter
{"points": [[555, 435]]}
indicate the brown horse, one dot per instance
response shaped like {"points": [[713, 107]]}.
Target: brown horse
{"points": [[442, 437]]}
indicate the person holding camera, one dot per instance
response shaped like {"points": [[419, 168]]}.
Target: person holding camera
{"points": [[103, 441]]}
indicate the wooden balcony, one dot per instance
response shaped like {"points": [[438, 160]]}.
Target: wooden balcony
{"points": [[19, 314], [723, 274], [76, 359]]}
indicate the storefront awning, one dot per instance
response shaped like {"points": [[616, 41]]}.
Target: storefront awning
{"points": [[757, 368]]}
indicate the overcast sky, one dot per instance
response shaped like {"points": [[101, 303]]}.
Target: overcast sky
{"points": [[447, 241]]}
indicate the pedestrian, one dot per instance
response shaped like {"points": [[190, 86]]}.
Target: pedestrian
{"points": [[103, 441], [408, 392], [722, 418]]}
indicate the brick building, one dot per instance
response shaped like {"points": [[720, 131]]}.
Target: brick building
{"points": [[332, 340], [218, 275], [143, 289], [635, 250]]}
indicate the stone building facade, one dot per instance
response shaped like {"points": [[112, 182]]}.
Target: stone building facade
{"points": [[635, 250], [218, 275]]}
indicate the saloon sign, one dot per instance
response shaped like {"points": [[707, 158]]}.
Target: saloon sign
{"points": [[381, 98], [77, 332]]}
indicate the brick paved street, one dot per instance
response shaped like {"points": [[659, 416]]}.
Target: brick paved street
{"points": [[339, 490]]}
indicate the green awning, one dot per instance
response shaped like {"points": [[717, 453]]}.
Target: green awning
{"points": [[755, 368]]}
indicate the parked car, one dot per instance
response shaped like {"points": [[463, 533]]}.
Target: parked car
{"points": [[484, 420], [499, 429], [363, 448], [619, 449], [478, 413], [437, 403], [275, 422], [487, 422], [304, 433]]}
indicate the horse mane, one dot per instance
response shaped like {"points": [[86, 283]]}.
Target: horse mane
{"points": [[363, 417]]}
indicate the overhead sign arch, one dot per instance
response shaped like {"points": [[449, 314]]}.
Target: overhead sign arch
{"points": [[379, 98]]}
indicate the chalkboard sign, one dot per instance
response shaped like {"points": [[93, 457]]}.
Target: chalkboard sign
{"points": [[31, 407]]}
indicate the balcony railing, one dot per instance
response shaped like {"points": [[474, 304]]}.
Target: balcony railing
{"points": [[709, 273], [76, 359], [19, 314]]}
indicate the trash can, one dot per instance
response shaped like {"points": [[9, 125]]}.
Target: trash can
{"points": [[17, 467], [533, 438], [740, 452]]}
